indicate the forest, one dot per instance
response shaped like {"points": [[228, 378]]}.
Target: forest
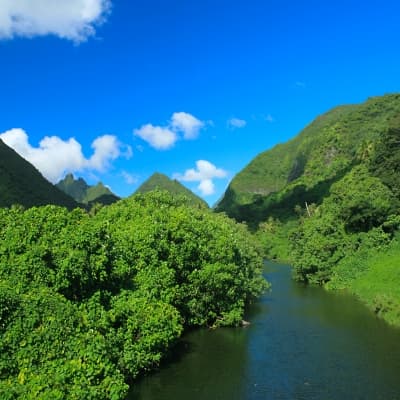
{"points": [[91, 300], [331, 207], [93, 297], [351, 241]]}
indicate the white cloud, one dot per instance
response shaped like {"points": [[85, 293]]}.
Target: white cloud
{"points": [[204, 173], [55, 157], [237, 123], [106, 148], [186, 123], [205, 170], [181, 126], [68, 19], [161, 138], [130, 179], [206, 187]]}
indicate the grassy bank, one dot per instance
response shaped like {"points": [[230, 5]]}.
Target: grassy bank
{"points": [[378, 282]]}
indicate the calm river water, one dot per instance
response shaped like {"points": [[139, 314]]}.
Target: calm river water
{"points": [[303, 343]]}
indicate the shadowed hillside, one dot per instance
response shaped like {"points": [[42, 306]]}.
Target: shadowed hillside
{"points": [[21, 183], [86, 194], [303, 169], [328, 201]]}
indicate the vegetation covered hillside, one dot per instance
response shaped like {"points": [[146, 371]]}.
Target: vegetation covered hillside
{"points": [[89, 301], [352, 240], [21, 183], [161, 182], [85, 194], [303, 169], [328, 201]]}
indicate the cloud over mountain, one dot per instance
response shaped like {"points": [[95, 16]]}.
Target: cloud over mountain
{"points": [[54, 157], [204, 173]]}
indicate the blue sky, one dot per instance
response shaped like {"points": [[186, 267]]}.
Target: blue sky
{"points": [[116, 90]]}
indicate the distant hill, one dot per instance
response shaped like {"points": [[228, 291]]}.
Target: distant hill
{"points": [[303, 169], [84, 193], [162, 182], [21, 183]]}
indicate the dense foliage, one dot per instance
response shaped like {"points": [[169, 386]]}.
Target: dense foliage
{"points": [[303, 169], [273, 235], [385, 162], [328, 201], [373, 275], [89, 301], [350, 241], [351, 217], [22, 183]]}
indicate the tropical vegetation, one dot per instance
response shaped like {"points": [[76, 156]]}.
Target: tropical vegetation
{"points": [[328, 201], [88, 301]]}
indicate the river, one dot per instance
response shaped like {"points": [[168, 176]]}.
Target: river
{"points": [[303, 343]]}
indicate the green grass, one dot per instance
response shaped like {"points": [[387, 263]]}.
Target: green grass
{"points": [[379, 286], [374, 277], [328, 202]]}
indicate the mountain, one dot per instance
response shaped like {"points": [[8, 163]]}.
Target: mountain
{"points": [[162, 182], [84, 193], [328, 202], [21, 183], [303, 169]]}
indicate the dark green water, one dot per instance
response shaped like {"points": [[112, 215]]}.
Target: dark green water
{"points": [[303, 343]]}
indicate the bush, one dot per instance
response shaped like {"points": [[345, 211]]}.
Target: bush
{"points": [[88, 302]]}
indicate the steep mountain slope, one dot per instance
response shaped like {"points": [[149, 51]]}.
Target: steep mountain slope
{"points": [[303, 169], [21, 183], [85, 194], [162, 182], [328, 201]]}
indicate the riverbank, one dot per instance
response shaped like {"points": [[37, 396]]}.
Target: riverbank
{"points": [[374, 277], [371, 274], [89, 301], [303, 343]]}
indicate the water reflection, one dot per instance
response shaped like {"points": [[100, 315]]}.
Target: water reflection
{"points": [[211, 368], [304, 343]]}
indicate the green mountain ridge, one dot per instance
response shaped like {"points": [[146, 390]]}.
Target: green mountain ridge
{"points": [[303, 169], [160, 181], [21, 183], [83, 193], [328, 202]]}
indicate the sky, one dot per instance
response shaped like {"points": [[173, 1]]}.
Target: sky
{"points": [[115, 90]]}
